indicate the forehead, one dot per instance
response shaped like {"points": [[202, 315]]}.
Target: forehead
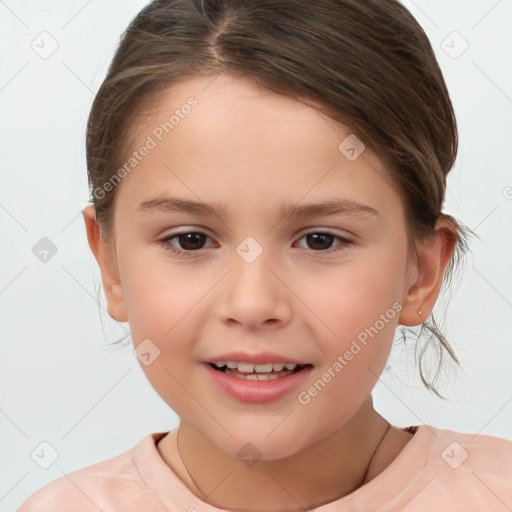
{"points": [[229, 105], [226, 132]]}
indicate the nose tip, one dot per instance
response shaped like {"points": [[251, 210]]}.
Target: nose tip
{"points": [[254, 296]]}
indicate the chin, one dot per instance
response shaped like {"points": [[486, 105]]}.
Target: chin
{"points": [[258, 445]]}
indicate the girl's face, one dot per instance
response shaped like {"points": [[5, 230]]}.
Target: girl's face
{"points": [[254, 280]]}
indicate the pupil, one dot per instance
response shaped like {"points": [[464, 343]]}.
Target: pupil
{"points": [[320, 237], [190, 237]]}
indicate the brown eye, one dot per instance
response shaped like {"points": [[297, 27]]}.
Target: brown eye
{"points": [[187, 242], [322, 241], [319, 241], [191, 241]]}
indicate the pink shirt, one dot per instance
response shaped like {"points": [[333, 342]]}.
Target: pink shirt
{"points": [[438, 470]]}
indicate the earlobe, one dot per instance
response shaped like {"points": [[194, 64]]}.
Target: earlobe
{"points": [[106, 261], [434, 253]]}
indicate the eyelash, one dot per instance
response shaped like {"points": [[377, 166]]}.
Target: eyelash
{"points": [[165, 242]]}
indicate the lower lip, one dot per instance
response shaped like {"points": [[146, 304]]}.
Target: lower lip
{"points": [[257, 391]]}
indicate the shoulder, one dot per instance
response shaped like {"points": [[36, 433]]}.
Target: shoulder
{"points": [[440, 469], [476, 452], [473, 468], [108, 485]]}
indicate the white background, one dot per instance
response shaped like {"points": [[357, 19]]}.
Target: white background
{"points": [[61, 383]]}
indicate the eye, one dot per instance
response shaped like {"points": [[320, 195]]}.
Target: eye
{"points": [[193, 241], [190, 241], [322, 240]]}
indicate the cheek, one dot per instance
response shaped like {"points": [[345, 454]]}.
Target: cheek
{"points": [[158, 294], [342, 300], [164, 306], [362, 322], [357, 311], [163, 309]]}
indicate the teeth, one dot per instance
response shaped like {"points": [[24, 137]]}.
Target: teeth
{"points": [[258, 368], [245, 367], [258, 376], [263, 368]]}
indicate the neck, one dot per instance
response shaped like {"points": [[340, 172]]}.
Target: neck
{"points": [[327, 470]]}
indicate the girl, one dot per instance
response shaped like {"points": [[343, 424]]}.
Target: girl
{"points": [[267, 181]]}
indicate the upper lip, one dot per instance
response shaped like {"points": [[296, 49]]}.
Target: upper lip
{"points": [[255, 358]]}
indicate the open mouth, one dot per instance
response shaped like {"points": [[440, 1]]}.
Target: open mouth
{"points": [[259, 372]]}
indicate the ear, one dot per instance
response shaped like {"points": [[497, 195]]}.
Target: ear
{"points": [[434, 253], [106, 261]]}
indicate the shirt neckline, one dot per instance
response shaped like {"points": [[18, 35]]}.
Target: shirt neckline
{"points": [[403, 472]]}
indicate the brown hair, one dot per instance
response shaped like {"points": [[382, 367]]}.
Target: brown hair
{"points": [[365, 63]]}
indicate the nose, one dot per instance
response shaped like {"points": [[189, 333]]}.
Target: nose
{"points": [[254, 295]]}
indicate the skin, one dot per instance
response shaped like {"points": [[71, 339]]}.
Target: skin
{"points": [[299, 299]]}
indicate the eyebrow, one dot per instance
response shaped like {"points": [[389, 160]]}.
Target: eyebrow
{"points": [[167, 204]]}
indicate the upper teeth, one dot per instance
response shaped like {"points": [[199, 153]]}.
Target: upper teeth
{"points": [[250, 367]]}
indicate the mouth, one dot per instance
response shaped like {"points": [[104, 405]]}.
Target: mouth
{"points": [[250, 371]]}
